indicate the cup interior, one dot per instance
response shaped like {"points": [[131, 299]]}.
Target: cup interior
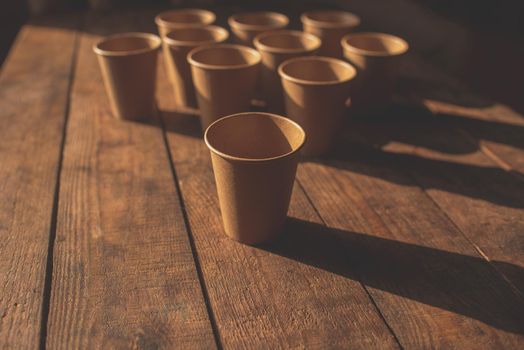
{"points": [[128, 43], [261, 19], [335, 18], [196, 35], [376, 43], [224, 56], [317, 70], [254, 136], [187, 16], [287, 40]]}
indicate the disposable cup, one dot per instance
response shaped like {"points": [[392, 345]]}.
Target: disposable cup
{"points": [[246, 26], [275, 47], [225, 78], [377, 57], [316, 91], [169, 20], [254, 157], [128, 63], [330, 27], [180, 41]]}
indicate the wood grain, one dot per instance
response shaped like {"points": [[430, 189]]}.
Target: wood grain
{"points": [[432, 287], [260, 297], [33, 98], [431, 284], [124, 274], [482, 199]]}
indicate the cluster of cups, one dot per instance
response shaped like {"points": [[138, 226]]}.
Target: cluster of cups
{"points": [[299, 74]]}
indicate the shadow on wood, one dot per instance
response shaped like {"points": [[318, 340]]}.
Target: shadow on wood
{"points": [[184, 123], [491, 184], [466, 285], [412, 123]]}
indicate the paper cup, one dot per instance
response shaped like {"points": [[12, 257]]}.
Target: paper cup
{"points": [[245, 26], [275, 47], [254, 158], [377, 57], [225, 77], [169, 20], [128, 64], [180, 41], [175, 19], [330, 27], [316, 90]]}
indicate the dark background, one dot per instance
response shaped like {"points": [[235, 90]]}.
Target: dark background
{"points": [[484, 45]]}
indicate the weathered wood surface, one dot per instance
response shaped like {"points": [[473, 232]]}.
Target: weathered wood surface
{"points": [[123, 271], [446, 149], [261, 299], [34, 85], [393, 238], [412, 258], [384, 230], [409, 234]]}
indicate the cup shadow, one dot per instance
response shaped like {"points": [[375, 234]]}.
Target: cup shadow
{"points": [[440, 89], [360, 149], [412, 123], [491, 184], [182, 122], [462, 284]]}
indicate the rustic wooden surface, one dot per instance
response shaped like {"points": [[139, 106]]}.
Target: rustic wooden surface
{"points": [[34, 87], [410, 234]]}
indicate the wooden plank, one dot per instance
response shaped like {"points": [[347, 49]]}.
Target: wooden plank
{"points": [[124, 274], [261, 298], [422, 323], [458, 313], [432, 287], [33, 97], [482, 199]]}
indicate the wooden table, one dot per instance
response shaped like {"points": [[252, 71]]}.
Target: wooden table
{"points": [[409, 235]]}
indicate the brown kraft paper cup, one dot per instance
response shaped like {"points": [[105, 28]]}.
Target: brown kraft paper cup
{"points": [[275, 47], [246, 26], [128, 63], [173, 19], [182, 18], [316, 90], [225, 77], [180, 41], [377, 57], [330, 27], [254, 158]]}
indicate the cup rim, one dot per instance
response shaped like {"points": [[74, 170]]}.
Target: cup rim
{"points": [[297, 33], [288, 77], [157, 42], [160, 21], [353, 19], [175, 42], [254, 160], [198, 49], [234, 23], [351, 48]]}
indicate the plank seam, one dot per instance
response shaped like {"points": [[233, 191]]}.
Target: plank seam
{"points": [[497, 161], [200, 274], [480, 252], [46, 297], [359, 281]]}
